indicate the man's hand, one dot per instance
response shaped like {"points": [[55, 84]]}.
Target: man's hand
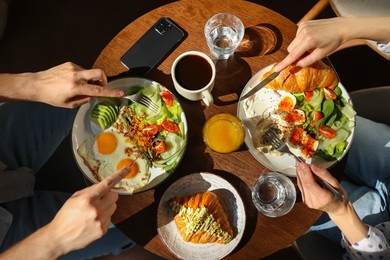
{"points": [[84, 218], [86, 215], [68, 85]]}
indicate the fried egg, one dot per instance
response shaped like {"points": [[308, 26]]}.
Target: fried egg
{"points": [[110, 151]]}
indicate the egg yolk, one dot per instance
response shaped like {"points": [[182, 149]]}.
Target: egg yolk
{"points": [[286, 104], [106, 143], [126, 162]]}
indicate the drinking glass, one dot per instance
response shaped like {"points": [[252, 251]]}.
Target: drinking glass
{"points": [[274, 194], [223, 133], [224, 33]]}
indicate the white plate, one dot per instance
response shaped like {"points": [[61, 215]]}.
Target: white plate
{"points": [[263, 100], [83, 129], [192, 184]]}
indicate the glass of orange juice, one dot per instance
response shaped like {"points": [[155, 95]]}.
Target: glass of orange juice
{"points": [[223, 133]]}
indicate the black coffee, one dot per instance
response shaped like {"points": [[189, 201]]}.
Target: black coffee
{"points": [[193, 72]]}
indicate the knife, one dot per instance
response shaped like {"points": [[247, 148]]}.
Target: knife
{"points": [[260, 85]]}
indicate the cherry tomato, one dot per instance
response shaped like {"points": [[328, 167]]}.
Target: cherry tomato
{"points": [[327, 132], [308, 95], [150, 130], [316, 116], [170, 126], [160, 147], [167, 97], [329, 94]]}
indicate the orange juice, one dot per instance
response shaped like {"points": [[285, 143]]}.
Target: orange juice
{"points": [[223, 133]]}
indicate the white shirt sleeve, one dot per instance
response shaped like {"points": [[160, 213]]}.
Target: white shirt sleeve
{"points": [[384, 47], [374, 246]]}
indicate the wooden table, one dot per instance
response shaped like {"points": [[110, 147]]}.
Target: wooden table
{"points": [[267, 36]]}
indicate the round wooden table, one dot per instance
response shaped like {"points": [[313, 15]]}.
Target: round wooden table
{"points": [[267, 35]]}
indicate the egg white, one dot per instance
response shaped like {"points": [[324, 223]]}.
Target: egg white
{"points": [[104, 165]]}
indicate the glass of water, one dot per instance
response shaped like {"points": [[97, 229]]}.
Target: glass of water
{"points": [[224, 33], [274, 194]]}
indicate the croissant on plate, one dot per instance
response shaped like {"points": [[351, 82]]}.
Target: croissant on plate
{"points": [[296, 79], [200, 218]]}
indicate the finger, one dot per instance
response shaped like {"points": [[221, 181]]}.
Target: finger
{"points": [[105, 217], [314, 56], [99, 91], [90, 75], [107, 200], [108, 183], [299, 183], [78, 101], [108, 212], [325, 175], [291, 58], [304, 172]]}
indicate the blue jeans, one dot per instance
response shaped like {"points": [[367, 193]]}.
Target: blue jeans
{"points": [[30, 133], [367, 181]]}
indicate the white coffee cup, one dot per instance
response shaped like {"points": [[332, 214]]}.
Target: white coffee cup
{"points": [[193, 75]]}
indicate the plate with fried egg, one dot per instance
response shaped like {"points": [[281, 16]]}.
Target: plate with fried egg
{"points": [[268, 108], [109, 134]]}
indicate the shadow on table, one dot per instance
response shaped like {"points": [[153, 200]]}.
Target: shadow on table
{"points": [[259, 40]]}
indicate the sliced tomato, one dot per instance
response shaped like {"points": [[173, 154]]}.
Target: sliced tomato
{"points": [[316, 116], [170, 126], [327, 132], [150, 130], [329, 94], [167, 97], [160, 147], [308, 95]]}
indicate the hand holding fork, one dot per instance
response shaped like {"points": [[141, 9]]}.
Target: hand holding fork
{"points": [[278, 144]]}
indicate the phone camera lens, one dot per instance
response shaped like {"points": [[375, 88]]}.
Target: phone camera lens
{"points": [[163, 27]]}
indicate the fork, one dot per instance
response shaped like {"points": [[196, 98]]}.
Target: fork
{"points": [[143, 100], [278, 144]]}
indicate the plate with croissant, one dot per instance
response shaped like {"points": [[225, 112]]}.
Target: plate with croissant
{"points": [[308, 108], [201, 216]]}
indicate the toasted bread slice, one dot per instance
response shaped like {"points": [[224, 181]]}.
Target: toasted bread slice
{"points": [[200, 218]]}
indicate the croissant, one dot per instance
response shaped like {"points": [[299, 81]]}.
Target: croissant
{"points": [[296, 79], [200, 218]]}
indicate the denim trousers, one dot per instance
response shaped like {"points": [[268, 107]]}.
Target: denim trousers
{"points": [[366, 177], [29, 134]]}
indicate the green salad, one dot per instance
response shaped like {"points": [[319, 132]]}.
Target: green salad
{"points": [[329, 119], [160, 136]]}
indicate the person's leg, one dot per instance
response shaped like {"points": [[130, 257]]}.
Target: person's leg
{"points": [[367, 177], [369, 156], [31, 132], [31, 213]]}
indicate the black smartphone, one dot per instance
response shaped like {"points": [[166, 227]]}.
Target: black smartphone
{"points": [[157, 42]]}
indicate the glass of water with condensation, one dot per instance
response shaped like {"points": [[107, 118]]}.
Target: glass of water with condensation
{"points": [[224, 33]]}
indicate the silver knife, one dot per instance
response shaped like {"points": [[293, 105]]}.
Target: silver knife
{"points": [[260, 85]]}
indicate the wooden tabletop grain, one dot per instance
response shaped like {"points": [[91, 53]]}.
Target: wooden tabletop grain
{"points": [[267, 35]]}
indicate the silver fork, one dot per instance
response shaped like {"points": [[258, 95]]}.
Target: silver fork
{"points": [[278, 144], [143, 100]]}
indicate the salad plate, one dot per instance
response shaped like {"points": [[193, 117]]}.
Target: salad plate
{"points": [[193, 184], [255, 108], [84, 129]]}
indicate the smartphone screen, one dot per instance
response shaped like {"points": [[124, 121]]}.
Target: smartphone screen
{"points": [[153, 46]]}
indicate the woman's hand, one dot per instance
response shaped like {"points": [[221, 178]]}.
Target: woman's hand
{"points": [[315, 196], [68, 85], [314, 40]]}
